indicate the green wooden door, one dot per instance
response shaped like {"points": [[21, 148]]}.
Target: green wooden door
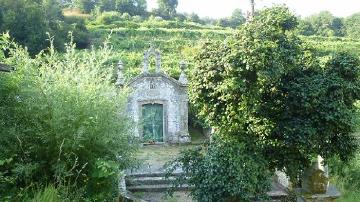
{"points": [[152, 115]]}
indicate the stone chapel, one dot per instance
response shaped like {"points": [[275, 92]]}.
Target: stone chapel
{"points": [[158, 104]]}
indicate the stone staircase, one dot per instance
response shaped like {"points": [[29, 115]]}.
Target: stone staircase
{"points": [[156, 183], [151, 182]]}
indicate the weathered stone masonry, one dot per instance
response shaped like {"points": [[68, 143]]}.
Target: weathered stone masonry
{"points": [[168, 94]]}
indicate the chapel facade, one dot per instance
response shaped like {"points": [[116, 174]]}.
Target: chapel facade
{"points": [[158, 104]]}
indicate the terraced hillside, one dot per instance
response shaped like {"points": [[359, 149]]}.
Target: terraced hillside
{"points": [[175, 44], [130, 39]]}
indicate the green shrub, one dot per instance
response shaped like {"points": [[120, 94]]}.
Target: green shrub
{"points": [[126, 24], [126, 16], [62, 123], [347, 176], [267, 84], [227, 169], [77, 26], [108, 17], [48, 194]]}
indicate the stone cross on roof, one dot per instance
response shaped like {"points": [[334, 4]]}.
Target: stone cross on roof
{"points": [[147, 55]]}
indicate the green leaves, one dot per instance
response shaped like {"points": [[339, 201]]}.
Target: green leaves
{"points": [[60, 114], [223, 170], [264, 84]]}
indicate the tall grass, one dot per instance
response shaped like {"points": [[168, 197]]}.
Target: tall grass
{"points": [[62, 123]]}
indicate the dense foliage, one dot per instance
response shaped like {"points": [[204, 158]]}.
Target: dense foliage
{"points": [[236, 19], [224, 170], [29, 21], [167, 8], [132, 7], [328, 25], [352, 24], [322, 24], [267, 85], [61, 123]]}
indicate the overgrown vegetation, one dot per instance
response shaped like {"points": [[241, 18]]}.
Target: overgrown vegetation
{"points": [[224, 170], [61, 125], [52, 98], [267, 87], [29, 21]]}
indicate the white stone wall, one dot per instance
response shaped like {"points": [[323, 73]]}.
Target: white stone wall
{"points": [[158, 88]]}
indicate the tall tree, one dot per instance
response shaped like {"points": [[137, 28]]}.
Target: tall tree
{"points": [[352, 24], [107, 5], [132, 7], [26, 21], [266, 86], [29, 21], [237, 18], [86, 5], [325, 24], [168, 7]]}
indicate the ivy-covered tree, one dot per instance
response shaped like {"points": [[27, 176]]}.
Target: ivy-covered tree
{"points": [[227, 169], [265, 84]]}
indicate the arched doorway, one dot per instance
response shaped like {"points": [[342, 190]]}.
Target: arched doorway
{"points": [[153, 122]]}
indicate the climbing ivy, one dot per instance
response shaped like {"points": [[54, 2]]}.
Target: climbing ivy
{"points": [[224, 170], [266, 84]]}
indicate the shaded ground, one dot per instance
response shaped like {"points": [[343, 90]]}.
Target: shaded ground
{"points": [[154, 157], [157, 197]]}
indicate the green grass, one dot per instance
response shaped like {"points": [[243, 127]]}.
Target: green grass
{"points": [[175, 45], [158, 155], [349, 196]]}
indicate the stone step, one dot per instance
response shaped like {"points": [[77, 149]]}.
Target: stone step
{"points": [[149, 181], [274, 195], [156, 188], [277, 195], [154, 174]]}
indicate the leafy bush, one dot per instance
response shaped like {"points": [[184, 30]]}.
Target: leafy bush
{"points": [[224, 170], [268, 85], [29, 21], [49, 193], [126, 24], [62, 123], [78, 28], [351, 23], [108, 17], [346, 176]]}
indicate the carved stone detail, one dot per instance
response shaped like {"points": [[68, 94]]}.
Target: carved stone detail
{"points": [[147, 55], [183, 79], [120, 75]]}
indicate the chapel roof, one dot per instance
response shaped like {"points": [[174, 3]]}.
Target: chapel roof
{"points": [[182, 82]]}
